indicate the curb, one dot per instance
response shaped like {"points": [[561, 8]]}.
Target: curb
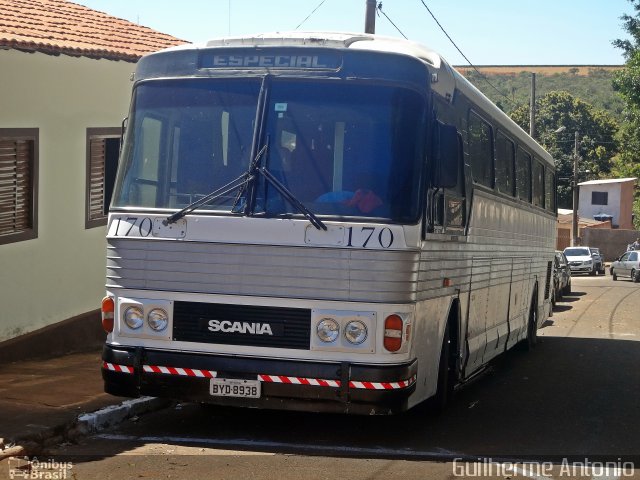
{"points": [[115, 414], [85, 424]]}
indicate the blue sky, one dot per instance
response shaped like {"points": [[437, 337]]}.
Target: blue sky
{"points": [[489, 32]]}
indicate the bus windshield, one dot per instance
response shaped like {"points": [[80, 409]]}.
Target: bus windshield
{"points": [[342, 149]]}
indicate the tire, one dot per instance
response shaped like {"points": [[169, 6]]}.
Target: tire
{"points": [[613, 275], [567, 289], [593, 271], [635, 276]]}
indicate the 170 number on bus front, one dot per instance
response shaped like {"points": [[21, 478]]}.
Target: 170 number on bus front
{"points": [[369, 237], [131, 227]]}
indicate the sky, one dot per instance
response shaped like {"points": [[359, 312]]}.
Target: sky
{"points": [[488, 32]]}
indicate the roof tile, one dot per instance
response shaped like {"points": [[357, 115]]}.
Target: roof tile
{"points": [[60, 26]]}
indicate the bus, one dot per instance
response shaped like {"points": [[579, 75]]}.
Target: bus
{"points": [[324, 222]]}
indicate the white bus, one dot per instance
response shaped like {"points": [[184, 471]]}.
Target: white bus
{"points": [[320, 222]]}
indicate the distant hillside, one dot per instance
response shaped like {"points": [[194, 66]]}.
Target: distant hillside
{"points": [[591, 83], [582, 70]]}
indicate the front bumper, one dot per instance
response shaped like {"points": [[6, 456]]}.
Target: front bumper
{"points": [[285, 384], [581, 268]]}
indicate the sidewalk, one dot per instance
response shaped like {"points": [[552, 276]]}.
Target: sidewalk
{"points": [[39, 399]]}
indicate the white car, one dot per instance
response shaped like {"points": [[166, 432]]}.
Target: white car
{"points": [[580, 260], [627, 265]]}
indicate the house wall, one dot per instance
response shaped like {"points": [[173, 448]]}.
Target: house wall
{"points": [[60, 274], [626, 205], [586, 210], [612, 243]]}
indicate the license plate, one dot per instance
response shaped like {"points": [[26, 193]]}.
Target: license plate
{"points": [[232, 387]]}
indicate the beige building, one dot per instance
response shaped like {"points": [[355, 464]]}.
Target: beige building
{"points": [[65, 73]]}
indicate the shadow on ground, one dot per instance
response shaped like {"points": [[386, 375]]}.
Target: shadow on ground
{"points": [[569, 397]]}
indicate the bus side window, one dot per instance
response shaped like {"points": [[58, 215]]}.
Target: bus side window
{"points": [[538, 184], [505, 159], [550, 189], [480, 142], [523, 175]]}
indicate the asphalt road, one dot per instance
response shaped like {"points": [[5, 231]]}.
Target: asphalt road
{"points": [[576, 396]]}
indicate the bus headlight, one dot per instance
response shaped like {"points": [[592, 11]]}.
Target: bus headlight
{"points": [[355, 332], [158, 319], [133, 317], [328, 330]]}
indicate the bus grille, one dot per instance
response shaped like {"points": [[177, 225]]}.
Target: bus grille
{"points": [[289, 327]]}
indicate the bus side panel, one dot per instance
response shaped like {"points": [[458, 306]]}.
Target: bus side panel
{"points": [[431, 319]]}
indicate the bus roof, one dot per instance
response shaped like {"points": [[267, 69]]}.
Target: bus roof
{"points": [[445, 80]]}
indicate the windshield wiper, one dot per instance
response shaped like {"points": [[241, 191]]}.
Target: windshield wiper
{"points": [[251, 172], [239, 182], [315, 221], [255, 169], [242, 183]]}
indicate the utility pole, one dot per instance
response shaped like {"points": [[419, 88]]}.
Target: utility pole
{"points": [[532, 108], [574, 225], [370, 17]]}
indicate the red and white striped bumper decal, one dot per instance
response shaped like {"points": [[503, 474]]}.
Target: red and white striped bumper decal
{"points": [[336, 383], [383, 385], [183, 372], [117, 368], [318, 382]]}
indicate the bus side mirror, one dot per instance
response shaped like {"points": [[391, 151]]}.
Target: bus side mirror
{"points": [[446, 155]]}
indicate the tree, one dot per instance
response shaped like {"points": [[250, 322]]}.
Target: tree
{"points": [[596, 132], [632, 27], [627, 84]]}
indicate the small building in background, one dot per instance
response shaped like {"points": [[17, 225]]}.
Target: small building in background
{"points": [[565, 226], [608, 199], [66, 85]]}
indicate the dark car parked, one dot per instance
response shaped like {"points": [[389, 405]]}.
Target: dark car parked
{"points": [[561, 277], [598, 260]]}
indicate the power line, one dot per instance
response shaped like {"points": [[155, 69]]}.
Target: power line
{"points": [[312, 12], [390, 21], [465, 57]]}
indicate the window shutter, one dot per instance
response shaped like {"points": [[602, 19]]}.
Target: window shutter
{"points": [[96, 178], [16, 159]]}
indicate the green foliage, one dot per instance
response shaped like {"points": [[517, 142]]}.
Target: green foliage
{"points": [[596, 87], [627, 83], [632, 27], [596, 137]]}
